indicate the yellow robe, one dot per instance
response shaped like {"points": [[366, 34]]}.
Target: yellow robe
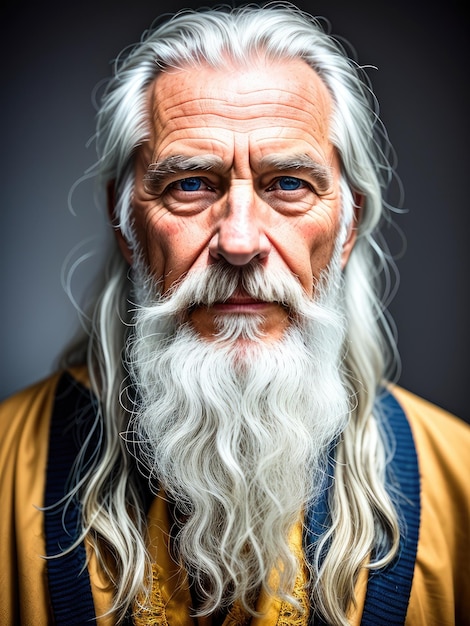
{"points": [[440, 594]]}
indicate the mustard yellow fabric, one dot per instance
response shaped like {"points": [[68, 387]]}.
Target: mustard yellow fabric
{"points": [[440, 593]]}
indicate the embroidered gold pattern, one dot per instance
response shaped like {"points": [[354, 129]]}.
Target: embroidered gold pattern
{"points": [[236, 617], [154, 614], [168, 603], [290, 615]]}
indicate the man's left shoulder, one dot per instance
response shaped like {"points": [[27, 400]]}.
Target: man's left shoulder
{"points": [[438, 434], [429, 415], [441, 584]]}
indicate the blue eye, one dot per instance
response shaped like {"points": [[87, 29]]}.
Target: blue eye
{"points": [[289, 183], [190, 184]]}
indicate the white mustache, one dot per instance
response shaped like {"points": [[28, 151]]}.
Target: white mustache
{"points": [[221, 281]]}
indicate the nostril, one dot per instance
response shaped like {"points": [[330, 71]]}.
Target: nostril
{"points": [[239, 250], [238, 259]]}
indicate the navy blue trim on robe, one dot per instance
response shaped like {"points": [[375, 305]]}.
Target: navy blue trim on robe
{"points": [[388, 589], [74, 412], [69, 582]]}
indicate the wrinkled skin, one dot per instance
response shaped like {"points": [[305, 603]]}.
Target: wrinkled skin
{"points": [[239, 166]]}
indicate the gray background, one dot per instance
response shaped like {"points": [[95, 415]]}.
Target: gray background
{"points": [[55, 54]]}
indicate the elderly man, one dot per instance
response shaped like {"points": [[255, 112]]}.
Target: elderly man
{"points": [[224, 448]]}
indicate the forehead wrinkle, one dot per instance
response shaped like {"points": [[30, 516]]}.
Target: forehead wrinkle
{"points": [[301, 99], [322, 174], [294, 89], [236, 98], [219, 108]]}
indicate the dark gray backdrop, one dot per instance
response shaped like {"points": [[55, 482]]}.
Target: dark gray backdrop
{"points": [[55, 54]]}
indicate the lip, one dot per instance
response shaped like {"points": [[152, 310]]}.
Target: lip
{"points": [[241, 304]]}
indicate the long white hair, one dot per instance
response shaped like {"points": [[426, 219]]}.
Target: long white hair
{"points": [[363, 517]]}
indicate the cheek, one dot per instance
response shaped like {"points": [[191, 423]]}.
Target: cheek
{"points": [[322, 253], [167, 246], [308, 249], [172, 246]]}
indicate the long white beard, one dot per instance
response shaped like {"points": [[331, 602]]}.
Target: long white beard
{"points": [[235, 429]]}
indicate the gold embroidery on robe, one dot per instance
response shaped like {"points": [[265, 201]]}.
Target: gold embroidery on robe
{"points": [[170, 600]]}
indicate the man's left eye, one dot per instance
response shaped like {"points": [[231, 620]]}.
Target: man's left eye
{"points": [[288, 183]]}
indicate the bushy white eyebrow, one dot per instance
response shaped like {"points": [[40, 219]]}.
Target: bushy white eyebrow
{"points": [[157, 173]]}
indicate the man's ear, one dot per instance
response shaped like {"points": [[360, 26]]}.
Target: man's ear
{"points": [[348, 245], [122, 243]]}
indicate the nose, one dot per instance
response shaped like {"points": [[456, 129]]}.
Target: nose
{"points": [[240, 236]]}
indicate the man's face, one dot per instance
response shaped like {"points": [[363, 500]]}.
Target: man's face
{"points": [[239, 167]]}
